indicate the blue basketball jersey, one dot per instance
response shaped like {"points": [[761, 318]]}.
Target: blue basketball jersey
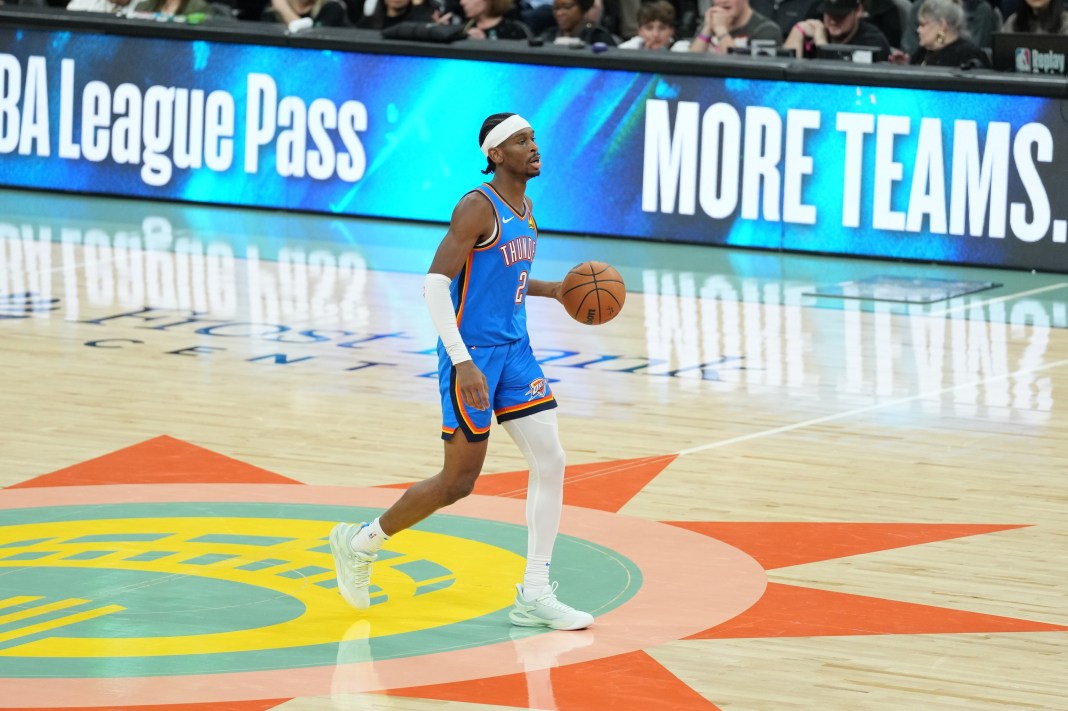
{"points": [[490, 292]]}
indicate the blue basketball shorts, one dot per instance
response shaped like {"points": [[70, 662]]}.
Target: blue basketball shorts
{"points": [[517, 387]]}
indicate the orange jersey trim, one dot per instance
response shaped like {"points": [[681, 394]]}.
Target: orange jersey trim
{"points": [[463, 413], [496, 218], [525, 405], [497, 232], [463, 292]]}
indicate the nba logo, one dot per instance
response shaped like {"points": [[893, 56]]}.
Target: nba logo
{"points": [[1023, 60]]}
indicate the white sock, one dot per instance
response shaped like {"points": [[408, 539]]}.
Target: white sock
{"points": [[369, 539], [536, 577]]}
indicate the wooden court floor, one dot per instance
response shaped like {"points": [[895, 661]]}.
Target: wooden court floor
{"points": [[775, 500]]}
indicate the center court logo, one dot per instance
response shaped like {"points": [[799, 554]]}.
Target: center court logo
{"points": [[191, 588], [139, 576], [219, 591]]}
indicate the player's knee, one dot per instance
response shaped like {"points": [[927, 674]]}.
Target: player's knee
{"points": [[557, 457], [551, 463], [460, 487]]}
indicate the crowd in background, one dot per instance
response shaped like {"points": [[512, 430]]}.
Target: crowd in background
{"points": [[955, 33]]}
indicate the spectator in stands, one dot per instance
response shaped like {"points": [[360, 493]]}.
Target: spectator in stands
{"points": [[388, 13], [176, 8], [322, 13], [1006, 8], [980, 17], [841, 23], [887, 15], [943, 37], [452, 12], [595, 15], [573, 27], [620, 17], [250, 10], [689, 17], [486, 20], [733, 23], [1046, 17], [785, 13], [656, 27], [111, 7], [537, 15]]}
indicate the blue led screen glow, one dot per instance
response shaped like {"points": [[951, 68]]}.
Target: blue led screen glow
{"points": [[887, 172]]}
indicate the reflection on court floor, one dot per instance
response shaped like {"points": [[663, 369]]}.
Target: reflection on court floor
{"points": [[777, 496]]}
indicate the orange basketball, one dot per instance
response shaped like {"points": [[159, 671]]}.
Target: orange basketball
{"points": [[593, 293]]}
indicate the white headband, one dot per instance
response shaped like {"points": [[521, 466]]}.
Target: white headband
{"points": [[499, 133]]}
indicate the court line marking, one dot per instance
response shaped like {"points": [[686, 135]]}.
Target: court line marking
{"points": [[826, 418], [996, 300], [899, 401], [870, 408]]}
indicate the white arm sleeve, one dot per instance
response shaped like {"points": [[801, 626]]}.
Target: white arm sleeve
{"points": [[439, 303]]}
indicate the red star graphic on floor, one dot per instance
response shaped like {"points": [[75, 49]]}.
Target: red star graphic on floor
{"points": [[628, 682]]}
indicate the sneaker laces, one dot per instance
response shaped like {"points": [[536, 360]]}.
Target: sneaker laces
{"points": [[548, 599], [361, 574]]}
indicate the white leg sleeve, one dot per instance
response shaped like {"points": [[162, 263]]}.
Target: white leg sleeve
{"points": [[538, 439]]}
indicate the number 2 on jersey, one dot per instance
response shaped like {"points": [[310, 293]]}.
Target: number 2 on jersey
{"points": [[522, 287]]}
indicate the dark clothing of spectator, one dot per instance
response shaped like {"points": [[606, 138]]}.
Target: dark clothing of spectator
{"points": [[784, 13], [759, 27], [957, 54], [885, 15], [459, 18], [1057, 27], [980, 16], [332, 13], [423, 12], [508, 29], [867, 35]]}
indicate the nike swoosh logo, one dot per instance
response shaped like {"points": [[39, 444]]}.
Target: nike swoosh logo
{"points": [[508, 219]]}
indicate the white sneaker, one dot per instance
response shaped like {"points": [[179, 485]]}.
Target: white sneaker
{"points": [[354, 675], [537, 649], [547, 611], [353, 569]]}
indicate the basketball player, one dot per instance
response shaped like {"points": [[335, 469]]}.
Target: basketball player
{"points": [[476, 293]]}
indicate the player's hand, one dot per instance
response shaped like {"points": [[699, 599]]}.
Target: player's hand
{"points": [[557, 291], [472, 383]]}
